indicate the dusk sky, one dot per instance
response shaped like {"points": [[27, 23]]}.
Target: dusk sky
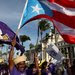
{"points": [[10, 14]]}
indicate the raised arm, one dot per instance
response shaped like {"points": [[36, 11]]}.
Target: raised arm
{"points": [[11, 62], [11, 54]]}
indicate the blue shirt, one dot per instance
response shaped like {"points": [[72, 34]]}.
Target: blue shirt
{"points": [[16, 72]]}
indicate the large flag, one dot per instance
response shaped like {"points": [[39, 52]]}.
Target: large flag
{"points": [[34, 10], [60, 12], [53, 51], [64, 18], [7, 35]]}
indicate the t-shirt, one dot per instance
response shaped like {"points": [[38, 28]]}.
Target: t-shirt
{"points": [[44, 72], [26, 72], [16, 72], [52, 68]]}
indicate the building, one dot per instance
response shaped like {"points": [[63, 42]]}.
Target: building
{"points": [[68, 50]]}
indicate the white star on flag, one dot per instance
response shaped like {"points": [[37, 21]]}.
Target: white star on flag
{"points": [[36, 8]]}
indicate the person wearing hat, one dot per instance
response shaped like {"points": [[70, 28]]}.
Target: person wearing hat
{"points": [[17, 66]]}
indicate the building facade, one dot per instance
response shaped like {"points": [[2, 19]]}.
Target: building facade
{"points": [[68, 50]]}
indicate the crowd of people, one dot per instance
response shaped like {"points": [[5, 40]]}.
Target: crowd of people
{"points": [[17, 66]]}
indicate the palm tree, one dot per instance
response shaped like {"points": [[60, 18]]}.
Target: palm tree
{"points": [[30, 51], [43, 26], [47, 36], [24, 38], [31, 45]]}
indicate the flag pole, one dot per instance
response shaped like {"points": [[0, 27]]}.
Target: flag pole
{"points": [[22, 16]]}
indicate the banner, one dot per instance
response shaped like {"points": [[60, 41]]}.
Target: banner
{"points": [[54, 52]]}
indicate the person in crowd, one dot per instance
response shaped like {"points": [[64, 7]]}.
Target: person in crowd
{"points": [[4, 69], [44, 69], [73, 68], [62, 68], [65, 67], [18, 66], [59, 69], [52, 69], [33, 69]]}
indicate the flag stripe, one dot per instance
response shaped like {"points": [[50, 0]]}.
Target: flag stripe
{"points": [[65, 3], [67, 20], [67, 16], [63, 29], [64, 19], [57, 7], [38, 17], [68, 38], [67, 33]]}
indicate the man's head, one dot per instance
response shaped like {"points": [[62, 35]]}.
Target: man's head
{"points": [[20, 63], [21, 66], [44, 65]]}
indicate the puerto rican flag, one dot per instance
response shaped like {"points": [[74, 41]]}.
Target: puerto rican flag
{"points": [[60, 12], [64, 18]]}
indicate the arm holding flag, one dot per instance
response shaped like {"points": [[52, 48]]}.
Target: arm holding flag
{"points": [[11, 63], [11, 54]]}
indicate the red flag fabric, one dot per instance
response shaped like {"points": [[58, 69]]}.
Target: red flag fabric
{"points": [[60, 12], [64, 18]]}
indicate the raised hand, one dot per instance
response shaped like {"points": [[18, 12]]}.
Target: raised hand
{"points": [[13, 42]]}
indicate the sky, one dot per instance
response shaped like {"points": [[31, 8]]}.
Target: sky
{"points": [[10, 14]]}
